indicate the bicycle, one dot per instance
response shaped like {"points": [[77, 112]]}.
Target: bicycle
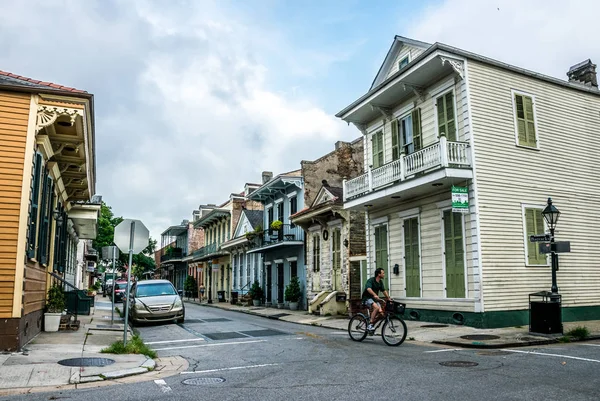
{"points": [[393, 331]]}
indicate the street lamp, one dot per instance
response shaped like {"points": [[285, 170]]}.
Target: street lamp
{"points": [[551, 215]]}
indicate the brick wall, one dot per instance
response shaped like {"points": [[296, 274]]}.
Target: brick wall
{"points": [[195, 238]]}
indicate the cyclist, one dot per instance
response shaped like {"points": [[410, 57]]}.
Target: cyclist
{"points": [[370, 296]]}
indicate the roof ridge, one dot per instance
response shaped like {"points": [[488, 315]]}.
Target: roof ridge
{"points": [[43, 83]]}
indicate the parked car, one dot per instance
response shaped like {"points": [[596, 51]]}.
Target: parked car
{"points": [[120, 289], [155, 301]]}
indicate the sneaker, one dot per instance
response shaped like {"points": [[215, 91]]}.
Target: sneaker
{"points": [[370, 327]]}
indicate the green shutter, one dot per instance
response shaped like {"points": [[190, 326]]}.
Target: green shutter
{"points": [[395, 144], [454, 255], [45, 213], [411, 257], [445, 114], [34, 206], [534, 223], [381, 252], [525, 121], [417, 137], [380, 148], [375, 150]]}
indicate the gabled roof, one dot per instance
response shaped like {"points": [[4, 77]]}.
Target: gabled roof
{"points": [[391, 56], [328, 194], [18, 81], [277, 183], [255, 217]]}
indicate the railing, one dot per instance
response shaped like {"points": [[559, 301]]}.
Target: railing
{"points": [[287, 233], [173, 253], [204, 251], [91, 254], [441, 154]]}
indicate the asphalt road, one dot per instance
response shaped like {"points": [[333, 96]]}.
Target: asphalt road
{"points": [[235, 356]]}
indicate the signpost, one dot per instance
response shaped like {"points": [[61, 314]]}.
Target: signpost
{"points": [[131, 236], [110, 252]]}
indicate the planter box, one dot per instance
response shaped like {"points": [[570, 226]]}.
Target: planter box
{"points": [[51, 321]]}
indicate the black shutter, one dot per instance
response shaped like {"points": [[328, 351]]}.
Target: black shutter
{"points": [[34, 205]]}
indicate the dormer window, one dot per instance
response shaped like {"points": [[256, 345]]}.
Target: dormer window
{"points": [[403, 62]]}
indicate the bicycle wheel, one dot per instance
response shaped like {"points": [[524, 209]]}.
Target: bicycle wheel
{"points": [[394, 331], [357, 328]]}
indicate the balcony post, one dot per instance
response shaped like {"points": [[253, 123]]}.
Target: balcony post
{"points": [[370, 178], [344, 188], [443, 150], [402, 166]]}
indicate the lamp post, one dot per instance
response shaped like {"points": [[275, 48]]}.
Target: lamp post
{"points": [[551, 215]]}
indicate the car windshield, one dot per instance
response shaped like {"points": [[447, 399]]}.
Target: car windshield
{"points": [[121, 286], [153, 290]]}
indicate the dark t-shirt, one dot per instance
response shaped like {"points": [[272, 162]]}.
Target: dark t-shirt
{"points": [[375, 286]]}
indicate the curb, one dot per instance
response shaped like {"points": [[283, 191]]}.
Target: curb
{"points": [[477, 345]]}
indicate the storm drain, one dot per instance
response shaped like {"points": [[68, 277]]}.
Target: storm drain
{"points": [[434, 326], [480, 337], [203, 381], [86, 362], [263, 333], [224, 336], [459, 364]]}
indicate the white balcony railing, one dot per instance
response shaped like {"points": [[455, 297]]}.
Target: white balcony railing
{"points": [[441, 154]]}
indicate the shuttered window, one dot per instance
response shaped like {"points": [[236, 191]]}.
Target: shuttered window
{"points": [[293, 209], [45, 218], [411, 257], [534, 224], [454, 255], [445, 116], [316, 253], [377, 146], [381, 250], [395, 141], [34, 206], [525, 121], [416, 130]]}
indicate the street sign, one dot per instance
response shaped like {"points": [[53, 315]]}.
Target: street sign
{"points": [[539, 238], [123, 236], [559, 247], [107, 252]]}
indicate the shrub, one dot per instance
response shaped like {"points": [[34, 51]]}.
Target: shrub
{"points": [[256, 292], [276, 225], [293, 291], [579, 332], [56, 300], [190, 284]]}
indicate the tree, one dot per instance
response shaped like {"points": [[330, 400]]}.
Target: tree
{"points": [[106, 227]]}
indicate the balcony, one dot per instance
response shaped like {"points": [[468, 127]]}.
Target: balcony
{"points": [[172, 254], [91, 254], [433, 164], [289, 234], [204, 251]]}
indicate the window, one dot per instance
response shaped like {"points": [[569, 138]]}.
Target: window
{"points": [[45, 219], [381, 249], [316, 253], [454, 254], [377, 147], [412, 264], [336, 254], [534, 225], [445, 116], [293, 208], [270, 216], [280, 211], [525, 120], [403, 62], [406, 134], [34, 204]]}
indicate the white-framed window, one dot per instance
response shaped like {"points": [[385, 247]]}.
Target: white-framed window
{"points": [[525, 119], [533, 224], [403, 62]]}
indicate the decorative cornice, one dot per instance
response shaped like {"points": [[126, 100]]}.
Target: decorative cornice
{"points": [[361, 127], [457, 65], [47, 115], [386, 112]]}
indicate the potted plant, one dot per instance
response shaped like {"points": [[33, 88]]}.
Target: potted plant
{"points": [[293, 293], [276, 225], [256, 293], [54, 308]]}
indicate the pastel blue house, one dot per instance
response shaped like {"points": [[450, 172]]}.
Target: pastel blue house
{"points": [[282, 247]]}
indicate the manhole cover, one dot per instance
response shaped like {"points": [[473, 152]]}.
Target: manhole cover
{"points": [[480, 337], [262, 333], [434, 326], [218, 319], [224, 336], [459, 364], [203, 381], [86, 362], [493, 353]]}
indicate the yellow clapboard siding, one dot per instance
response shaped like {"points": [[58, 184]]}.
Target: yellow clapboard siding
{"points": [[6, 108], [15, 97], [12, 136]]}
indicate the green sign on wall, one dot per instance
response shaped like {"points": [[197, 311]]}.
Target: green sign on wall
{"points": [[460, 199]]}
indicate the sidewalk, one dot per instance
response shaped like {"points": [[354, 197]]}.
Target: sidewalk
{"points": [[36, 368], [437, 333]]}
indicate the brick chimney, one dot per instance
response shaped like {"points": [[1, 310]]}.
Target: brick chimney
{"points": [[266, 176], [584, 73]]}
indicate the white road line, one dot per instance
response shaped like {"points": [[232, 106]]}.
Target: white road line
{"points": [[444, 350], [592, 345], [210, 345], [175, 341], [163, 386], [232, 368], [554, 355]]}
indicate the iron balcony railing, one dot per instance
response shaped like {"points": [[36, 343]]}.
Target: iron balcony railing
{"points": [[205, 251], [287, 233], [173, 253], [441, 154]]}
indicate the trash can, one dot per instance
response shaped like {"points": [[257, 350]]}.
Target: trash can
{"points": [[221, 296], [545, 313], [234, 297]]}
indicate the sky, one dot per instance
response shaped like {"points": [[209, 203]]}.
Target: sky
{"points": [[195, 98]]}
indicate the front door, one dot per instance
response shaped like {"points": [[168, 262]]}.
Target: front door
{"points": [[280, 285], [454, 255], [381, 251], [269, 282], [411, 257]]}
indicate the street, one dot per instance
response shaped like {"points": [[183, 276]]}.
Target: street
{"points": [[235, 356]]}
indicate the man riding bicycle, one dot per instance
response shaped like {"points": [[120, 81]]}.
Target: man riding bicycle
{"points": [[370, 296]]}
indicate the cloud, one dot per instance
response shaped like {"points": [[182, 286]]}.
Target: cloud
{"points": [[545, 36]]}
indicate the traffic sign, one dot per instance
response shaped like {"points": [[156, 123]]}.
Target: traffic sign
{"points": [[557, 247], [123, 232], [539, 238]]}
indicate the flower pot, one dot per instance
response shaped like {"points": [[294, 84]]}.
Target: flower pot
{"points": [[256, 302], [51, 321], [293, 305]]}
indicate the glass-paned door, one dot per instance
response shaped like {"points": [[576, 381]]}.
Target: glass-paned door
{"points": [[454, 255]]}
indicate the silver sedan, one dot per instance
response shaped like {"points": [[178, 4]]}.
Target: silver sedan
{"points": [[155, 301]]}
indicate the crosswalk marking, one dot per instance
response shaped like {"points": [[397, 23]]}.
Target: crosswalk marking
{"points": [[210, 345], [554, 355], [175, 341], [164, 387]]}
